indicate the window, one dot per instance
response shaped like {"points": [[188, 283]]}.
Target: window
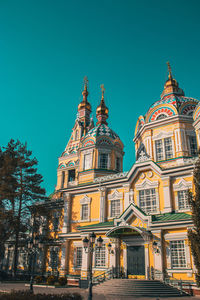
{"points": [[87, 161], [103, 161], [178, 259], [71, 175], [164, 149], [168, 148], [84, 212], [78, 257], [118, 164], [193, 145], [115, 208], [161, 116], [183, 199], [63, 179], [147, 200], [54, 258], [100, 256], [159, 150]]}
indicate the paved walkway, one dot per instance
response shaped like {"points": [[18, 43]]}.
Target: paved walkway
{"points": [[7, 287]]}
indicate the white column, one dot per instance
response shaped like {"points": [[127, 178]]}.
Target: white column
{"points": [[158, 255], [166, 194], [146, 254], [63, 257], [102, 217]]}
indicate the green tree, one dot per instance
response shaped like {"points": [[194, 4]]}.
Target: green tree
{"points": [[194, 233], [22, 190]]}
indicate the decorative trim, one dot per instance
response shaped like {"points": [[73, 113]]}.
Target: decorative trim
{"points": [[162, 135], [182, 185], [146, 183], [115, 195]]}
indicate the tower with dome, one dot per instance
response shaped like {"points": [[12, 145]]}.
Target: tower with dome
{"points": [[142, 215]]}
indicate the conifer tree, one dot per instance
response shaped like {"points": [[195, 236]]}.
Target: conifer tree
{"points": [[22, 189], [194, 233]]}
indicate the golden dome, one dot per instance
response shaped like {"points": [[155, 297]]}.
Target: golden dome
{"points": [[102, 110]]}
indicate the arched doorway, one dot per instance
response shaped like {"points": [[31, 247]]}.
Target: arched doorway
{"points": [[135, 248]]}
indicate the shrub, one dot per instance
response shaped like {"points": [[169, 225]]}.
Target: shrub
{"points": [[51, 279], [26, 295], [38, 279], [62, 280]]}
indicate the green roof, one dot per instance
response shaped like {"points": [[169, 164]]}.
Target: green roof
{"points": [[171, 217], [102, 224]]}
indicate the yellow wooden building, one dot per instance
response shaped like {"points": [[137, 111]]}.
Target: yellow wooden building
{"points": [[143, 213]]}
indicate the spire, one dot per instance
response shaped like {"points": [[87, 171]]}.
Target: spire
{"points": [[102, 110], [171, 85], [85, 90]]}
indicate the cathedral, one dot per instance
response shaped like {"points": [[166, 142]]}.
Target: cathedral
{"points": [[142, 215]]}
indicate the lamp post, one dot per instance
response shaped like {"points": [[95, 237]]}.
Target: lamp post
{"points": [[88, 245], [32, 246]]}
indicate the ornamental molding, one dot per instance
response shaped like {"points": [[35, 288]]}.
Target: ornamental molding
{"points": [[162, 135], [115, 195], [146, 183], [85, 200], [189, 161], [111, 177], [182, 185], [142, 157]]}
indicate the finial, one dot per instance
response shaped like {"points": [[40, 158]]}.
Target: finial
{"points": [[102, 90], [85, 80], [169, 70], [85, 90]]}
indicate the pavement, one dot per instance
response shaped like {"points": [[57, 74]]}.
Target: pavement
{"points": [[8, 287]]}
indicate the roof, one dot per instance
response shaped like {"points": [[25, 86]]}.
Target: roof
{"points": [[171, 217], [102, 224], [102, 130]]}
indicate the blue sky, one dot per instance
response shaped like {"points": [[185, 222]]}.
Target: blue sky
{"points": [[47, 47]]}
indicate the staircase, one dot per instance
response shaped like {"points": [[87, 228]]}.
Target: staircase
{"points": [[139, 288]]}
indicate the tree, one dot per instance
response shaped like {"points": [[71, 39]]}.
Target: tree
{"points": [[194, 233], [23, 188]]}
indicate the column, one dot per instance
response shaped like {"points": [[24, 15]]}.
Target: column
{"points": [[166, 194], [146, 255], [85, 263], [67, 213], [158, 254], [64, 263], [102, 204]]}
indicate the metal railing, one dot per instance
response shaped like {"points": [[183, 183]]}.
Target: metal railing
{"points": [[180, 284]]}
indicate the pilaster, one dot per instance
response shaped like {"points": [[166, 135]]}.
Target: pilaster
{"points": [[67, 213], [102, 217], [167, 194]]}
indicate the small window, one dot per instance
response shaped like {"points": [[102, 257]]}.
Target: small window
{"points": [[63, 179], [78, 251], [183, 199], [168, 148], [84, 212], [114, 208], [161, 116], [87, 161], [193, 145], [147, 200], [118, 164], [178, 257], [159, 150], [103, 162], [71, 175], [100, 256], [76, 135]]}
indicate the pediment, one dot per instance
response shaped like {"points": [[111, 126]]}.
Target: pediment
{"points": [[133, 215], [85, 200], [182, 185], [115, 195]]}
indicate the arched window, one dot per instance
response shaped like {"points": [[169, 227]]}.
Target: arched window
{"points": [[161, 116]]}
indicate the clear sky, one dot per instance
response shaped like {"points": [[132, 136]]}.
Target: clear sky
{"points": [[48, 46]]}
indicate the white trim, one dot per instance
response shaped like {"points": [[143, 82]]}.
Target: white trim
{"points": [[146, 183], [83, 201], [182, 185], [176, 236], [162, 135], [115, 195]]}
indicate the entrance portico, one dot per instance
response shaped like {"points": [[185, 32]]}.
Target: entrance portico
{"points": [[135, 249]]}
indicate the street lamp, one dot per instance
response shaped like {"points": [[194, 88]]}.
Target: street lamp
{"points": [[88, 245], [32, 246]]}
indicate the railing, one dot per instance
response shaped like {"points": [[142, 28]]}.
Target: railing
{"points": [[102, 276], [180, 284], [114, 272]]}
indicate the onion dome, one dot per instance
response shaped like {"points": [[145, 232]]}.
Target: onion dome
{"points": [[84, 104], [102, 110]]}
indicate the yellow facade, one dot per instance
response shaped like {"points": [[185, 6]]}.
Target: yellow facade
{"points": [[142, 213]]}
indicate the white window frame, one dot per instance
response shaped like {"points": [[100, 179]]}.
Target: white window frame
{"points": [[162, 136], [85, 201], [182, 185], [98, 252], [87, 152], [104, 151], [115, 195], [177, 237], [147, 184], [178, 242]]}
